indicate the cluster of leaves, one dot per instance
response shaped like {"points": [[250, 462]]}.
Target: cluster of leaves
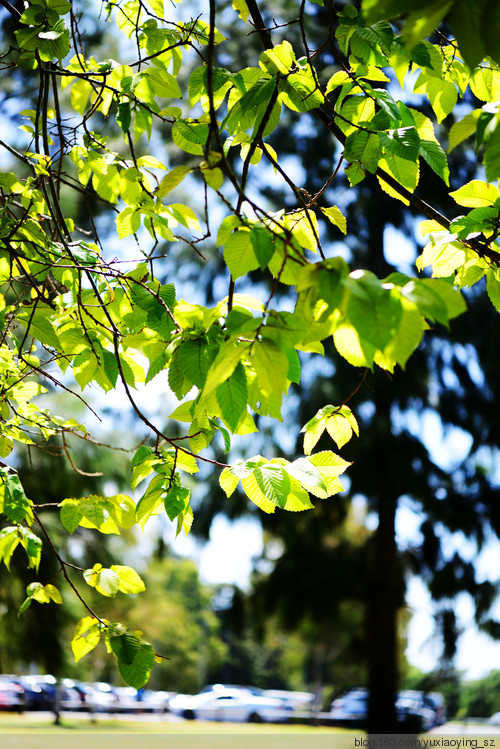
{"points": [[64, 303]]}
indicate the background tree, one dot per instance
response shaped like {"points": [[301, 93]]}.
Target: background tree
{"points": [[479, 698], [68, 303]]}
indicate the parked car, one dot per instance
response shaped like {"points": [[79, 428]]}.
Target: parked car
{"points": [[230, 704], [39, 690], [435, 701], [219, 687], [296, 700], [101, 697], [413, 708], [12, 697], [71, 697], [150, 701], [350, 709]]}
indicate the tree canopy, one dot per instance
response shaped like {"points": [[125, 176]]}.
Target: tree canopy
{"points": [[89, 210]]}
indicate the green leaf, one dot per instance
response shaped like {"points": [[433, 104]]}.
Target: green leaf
{"points": [[32, 545], [444, 255], [184, 412], [370, 307], [273, 482], [436, 158], [340, 426], [387, 104], [271, 365], [144, 452], [300, 93], [255, 489], [298, 499], [190, 136], [185, 462], [143, 121], [178, 383], [41, 593], [171, 180], [151, 500], [330, 466], [262, 241], [241, 7], [52, 44], [54, 593], [406, 172], [86, 637], [136, 658], [336, 217], [279, 59], [485, 83], [307, 475], [470, 30], [421, 24], [195, 359], [365, 147], [493, 287], [9, 539], [71, 514], [128, 579], [213, 176], [249, 111], [463, 129], [124, 116], [313, 431], [239, 253], [355, 173], [403, 142], [106, 514], [40, 328], [37, 592], [476, 194], [479, 220], [435, 299], [105, 581], [442, 94], [224, 364], [232, 396], [492, 155], [16, 505], [127, 222], [176, 501], [156, 82], [228, 481]]}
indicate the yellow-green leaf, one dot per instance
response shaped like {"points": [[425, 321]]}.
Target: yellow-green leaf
{"points": [[86, 637], [128, 579], [476, 194]]}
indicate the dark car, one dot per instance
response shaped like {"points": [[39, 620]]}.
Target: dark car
{"points": [[415, 710], [39, 690]]}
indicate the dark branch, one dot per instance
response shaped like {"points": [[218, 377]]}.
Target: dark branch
{"points": [[12, 10]]}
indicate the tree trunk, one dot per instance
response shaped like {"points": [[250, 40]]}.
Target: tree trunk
{"points": [[382, 622]]}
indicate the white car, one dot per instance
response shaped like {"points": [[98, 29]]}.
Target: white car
{"points": [[296, 700], [234, 705]]}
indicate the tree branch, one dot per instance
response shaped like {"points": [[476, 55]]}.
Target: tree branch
{"points": [[12, 10]]}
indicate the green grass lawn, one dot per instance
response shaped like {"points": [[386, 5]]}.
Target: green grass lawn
{"points": [[30, 732]]}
